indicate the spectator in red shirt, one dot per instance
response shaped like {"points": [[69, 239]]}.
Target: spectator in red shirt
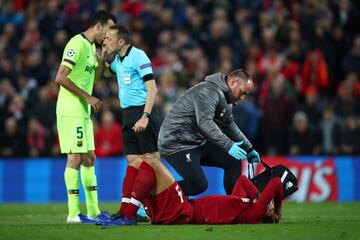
{"points": [[315, 71], [108, 137], [37, 138]]}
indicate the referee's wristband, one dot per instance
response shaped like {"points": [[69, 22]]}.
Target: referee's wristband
{"points": [[146, 114]]}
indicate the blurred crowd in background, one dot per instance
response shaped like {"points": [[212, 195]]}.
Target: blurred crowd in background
{"points": [[303, 55]]}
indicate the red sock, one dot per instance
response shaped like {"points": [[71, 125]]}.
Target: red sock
{"points": [[143, 185], [128, 184], [244, 188]]}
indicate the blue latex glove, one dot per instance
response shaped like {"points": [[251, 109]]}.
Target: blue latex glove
{"points": [[253, 156], [237, 152]]}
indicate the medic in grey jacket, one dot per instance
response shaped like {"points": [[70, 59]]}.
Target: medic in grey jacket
{"points": [[205, 113]]}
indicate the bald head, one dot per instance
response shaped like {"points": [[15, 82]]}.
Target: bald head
{"points": [[241, 74], [240, 85]]}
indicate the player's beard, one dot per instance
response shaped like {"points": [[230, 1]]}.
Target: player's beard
{"points": [[120, 49], [112, 51]]}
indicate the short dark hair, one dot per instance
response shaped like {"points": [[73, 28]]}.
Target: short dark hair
{"points": [[241, 74], [121, 32], [102, 17]]}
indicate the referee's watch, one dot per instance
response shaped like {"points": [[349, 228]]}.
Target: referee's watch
{"points": [[146, 114]]}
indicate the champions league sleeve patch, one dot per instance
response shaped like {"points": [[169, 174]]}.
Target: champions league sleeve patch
{"points": [[70, 53], [145, 65]]}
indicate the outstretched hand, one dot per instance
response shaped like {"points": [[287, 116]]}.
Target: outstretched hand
{"points": [[236, 151]]}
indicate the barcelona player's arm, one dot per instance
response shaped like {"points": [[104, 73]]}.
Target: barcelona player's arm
{"points": [[63, 80], [103, 67]]}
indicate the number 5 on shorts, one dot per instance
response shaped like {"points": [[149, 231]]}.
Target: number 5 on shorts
{"points": [[79, 132]]}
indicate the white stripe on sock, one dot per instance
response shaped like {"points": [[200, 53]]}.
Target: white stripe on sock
{"points": [[284, 176], [135, 202], [125, 200]]}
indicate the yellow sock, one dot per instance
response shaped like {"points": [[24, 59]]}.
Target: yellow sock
{"points": [[72, 183], [88, 179]]}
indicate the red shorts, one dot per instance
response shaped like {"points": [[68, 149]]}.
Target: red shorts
{"points": [[169, 207]]}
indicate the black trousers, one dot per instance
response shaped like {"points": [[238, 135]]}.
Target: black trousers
{"points": [[188, 165]]}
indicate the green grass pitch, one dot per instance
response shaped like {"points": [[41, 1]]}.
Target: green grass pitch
{"points": [[300, 221]]}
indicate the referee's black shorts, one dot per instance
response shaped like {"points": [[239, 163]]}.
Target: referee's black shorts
{"points": [[143, 142]]}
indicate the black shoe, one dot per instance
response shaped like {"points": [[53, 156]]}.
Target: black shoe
{"points": [[140, 218]]}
